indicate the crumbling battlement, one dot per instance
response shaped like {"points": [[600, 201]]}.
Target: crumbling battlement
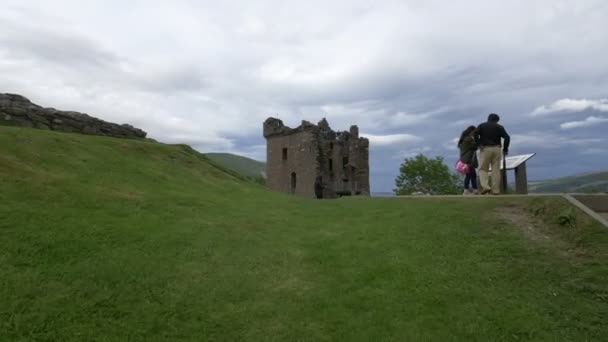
{"points": [[297, 156], [16, 110]]}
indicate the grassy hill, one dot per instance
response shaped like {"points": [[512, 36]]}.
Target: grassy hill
{"points": [[583, 183], [116, 240], [243, 165]]}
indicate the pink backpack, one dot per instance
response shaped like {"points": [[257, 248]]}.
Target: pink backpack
{"points": [[462, 167]]}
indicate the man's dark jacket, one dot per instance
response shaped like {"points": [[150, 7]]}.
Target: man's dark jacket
{"points": [[488, 134]]}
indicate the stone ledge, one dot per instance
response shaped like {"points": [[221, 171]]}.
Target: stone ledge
{"points": [[17, 110]]}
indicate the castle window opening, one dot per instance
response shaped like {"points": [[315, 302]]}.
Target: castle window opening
{"points": [[331, 164], [344, 161], [284, 153]]}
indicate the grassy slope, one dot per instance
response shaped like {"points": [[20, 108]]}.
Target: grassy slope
{"points": [[243, 165], [591, 182], [114, 240]]}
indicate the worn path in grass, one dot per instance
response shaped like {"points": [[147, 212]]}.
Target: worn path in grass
{"points": [[114, 240]]}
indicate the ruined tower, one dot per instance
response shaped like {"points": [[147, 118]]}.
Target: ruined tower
{"points": [[295, 157]]}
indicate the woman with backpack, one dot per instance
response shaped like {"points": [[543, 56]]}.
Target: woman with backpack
{"points": [[468, 156]]}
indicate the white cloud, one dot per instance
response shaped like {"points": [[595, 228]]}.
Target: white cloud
{"points": [[412, 152], [404, 119], [570, 105], [391, 139], [590, 121]]}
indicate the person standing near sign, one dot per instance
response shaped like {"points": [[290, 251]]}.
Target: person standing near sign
{"points": [[468, 155], [488, 136]]}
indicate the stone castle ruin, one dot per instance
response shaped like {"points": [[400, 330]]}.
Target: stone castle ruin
{"points": [[295, 157]]}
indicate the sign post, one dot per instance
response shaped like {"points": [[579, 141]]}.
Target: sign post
{"points": [[517, 163], [521, 179], [503, 175]]}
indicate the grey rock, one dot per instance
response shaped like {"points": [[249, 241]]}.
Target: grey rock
{"points": [[41, 125], [19, 111]]}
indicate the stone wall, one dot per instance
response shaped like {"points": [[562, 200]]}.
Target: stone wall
{"points": [[596, 202], [292, 154], [16, 110], [308, 151]]}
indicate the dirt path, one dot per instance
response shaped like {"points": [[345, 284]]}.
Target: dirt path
{"points": [[518, 217]]}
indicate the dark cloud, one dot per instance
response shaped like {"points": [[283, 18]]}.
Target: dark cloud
{"points": [[411, 74]]}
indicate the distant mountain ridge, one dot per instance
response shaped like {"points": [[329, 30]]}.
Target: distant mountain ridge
{"points": [[589, 182], [245, 166]]}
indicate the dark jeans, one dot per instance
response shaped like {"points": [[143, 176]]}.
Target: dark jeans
{"points": [[470, 180]]}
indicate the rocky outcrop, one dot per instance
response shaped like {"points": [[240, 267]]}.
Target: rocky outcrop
{"points": [[16, 110]]}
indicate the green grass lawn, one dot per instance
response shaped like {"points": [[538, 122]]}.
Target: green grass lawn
{"points": [[118, 240]]}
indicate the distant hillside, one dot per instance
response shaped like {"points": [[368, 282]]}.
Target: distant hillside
{"points": [[583, 183], [243, 165]]}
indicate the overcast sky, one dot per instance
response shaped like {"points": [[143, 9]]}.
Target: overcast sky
{"points": [[411, 74]]}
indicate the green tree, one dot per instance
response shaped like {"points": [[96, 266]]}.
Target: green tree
{"points": [[430, 176]]}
